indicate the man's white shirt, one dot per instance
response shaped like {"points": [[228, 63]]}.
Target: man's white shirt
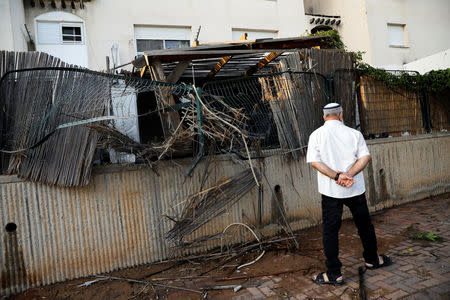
{"points": [[338, 147]]}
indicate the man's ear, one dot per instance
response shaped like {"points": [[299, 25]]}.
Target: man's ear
{"points": [[324, 118], [340, 116]]}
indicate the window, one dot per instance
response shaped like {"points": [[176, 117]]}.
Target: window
{"points": [[151, 37], [71, 34], [161, 37], [142, 45], [168, 44], [397, 35], [55, 33], [48, 33], [145, 45]]}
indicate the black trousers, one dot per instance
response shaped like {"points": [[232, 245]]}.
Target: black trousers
{"points": [[332, 216]]}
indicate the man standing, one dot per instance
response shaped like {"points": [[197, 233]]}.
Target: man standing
{"points": [[339, 154]]}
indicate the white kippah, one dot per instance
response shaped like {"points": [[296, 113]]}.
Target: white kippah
{"points": [[332, 108]]}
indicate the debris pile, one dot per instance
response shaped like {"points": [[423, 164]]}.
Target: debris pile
{"points": [[205, 205]]}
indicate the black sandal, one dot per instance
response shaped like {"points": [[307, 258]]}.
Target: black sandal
{"points": [[387, 261], [324, 278]]}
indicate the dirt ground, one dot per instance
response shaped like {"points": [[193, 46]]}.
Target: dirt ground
{"points": [[287, 265]]}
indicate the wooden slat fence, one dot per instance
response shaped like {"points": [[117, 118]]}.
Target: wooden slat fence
{"points": [[440, 111], [65, 159], [388, 112], [328, 62], [296, 100]]}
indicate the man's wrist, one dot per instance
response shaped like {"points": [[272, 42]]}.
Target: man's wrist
{"points": [[336, 177]]}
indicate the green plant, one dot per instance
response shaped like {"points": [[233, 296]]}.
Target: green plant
{"points": [[334, 41], [431, 82], [414, 233], [430, 236]]}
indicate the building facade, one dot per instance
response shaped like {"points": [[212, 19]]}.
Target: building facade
{"points": [[85, 32], [392, 33]]}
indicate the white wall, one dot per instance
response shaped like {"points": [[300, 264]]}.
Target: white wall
{"points": [[113, 21], [364, 27], [427, 24], [12, 20], [353, 29], [237, 33], [438, 61], [125, 106]]}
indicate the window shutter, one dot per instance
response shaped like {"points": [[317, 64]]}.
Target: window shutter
{"points": [[396, 35], [48, 32]]}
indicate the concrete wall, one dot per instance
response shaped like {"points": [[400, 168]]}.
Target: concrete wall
{"points": [[438, 61], [112, 21], [12, 19], [364, 27], [116, 221]]}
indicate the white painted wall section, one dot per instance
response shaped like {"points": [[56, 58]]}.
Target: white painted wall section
{"points": [[438, 61], [162, 32], [125, 106], [253, 34], [425, 32], [366, 27], [12, 20], [354, 29]]}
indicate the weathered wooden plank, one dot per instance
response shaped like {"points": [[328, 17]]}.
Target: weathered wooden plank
{"points": [[262, 63], [169, 120], [219, 66], [175, 75]]}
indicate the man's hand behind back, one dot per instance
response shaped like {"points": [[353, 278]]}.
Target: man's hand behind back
{"points": [[345, 180]]}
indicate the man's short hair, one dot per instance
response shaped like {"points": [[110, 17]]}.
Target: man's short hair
{"points": [[332, 109]]}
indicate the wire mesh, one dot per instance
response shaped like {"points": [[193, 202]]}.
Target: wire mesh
{"points": [[297, 100], [281, 109], [245, 94], [278, 110]]}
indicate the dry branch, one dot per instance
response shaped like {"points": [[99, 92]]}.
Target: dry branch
{"points": [[206, 205]]}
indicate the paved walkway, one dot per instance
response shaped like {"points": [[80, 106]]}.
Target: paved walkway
{"points": [[421, 269]]}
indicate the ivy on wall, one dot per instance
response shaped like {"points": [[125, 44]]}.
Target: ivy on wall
{"points": [[433, 81]]}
